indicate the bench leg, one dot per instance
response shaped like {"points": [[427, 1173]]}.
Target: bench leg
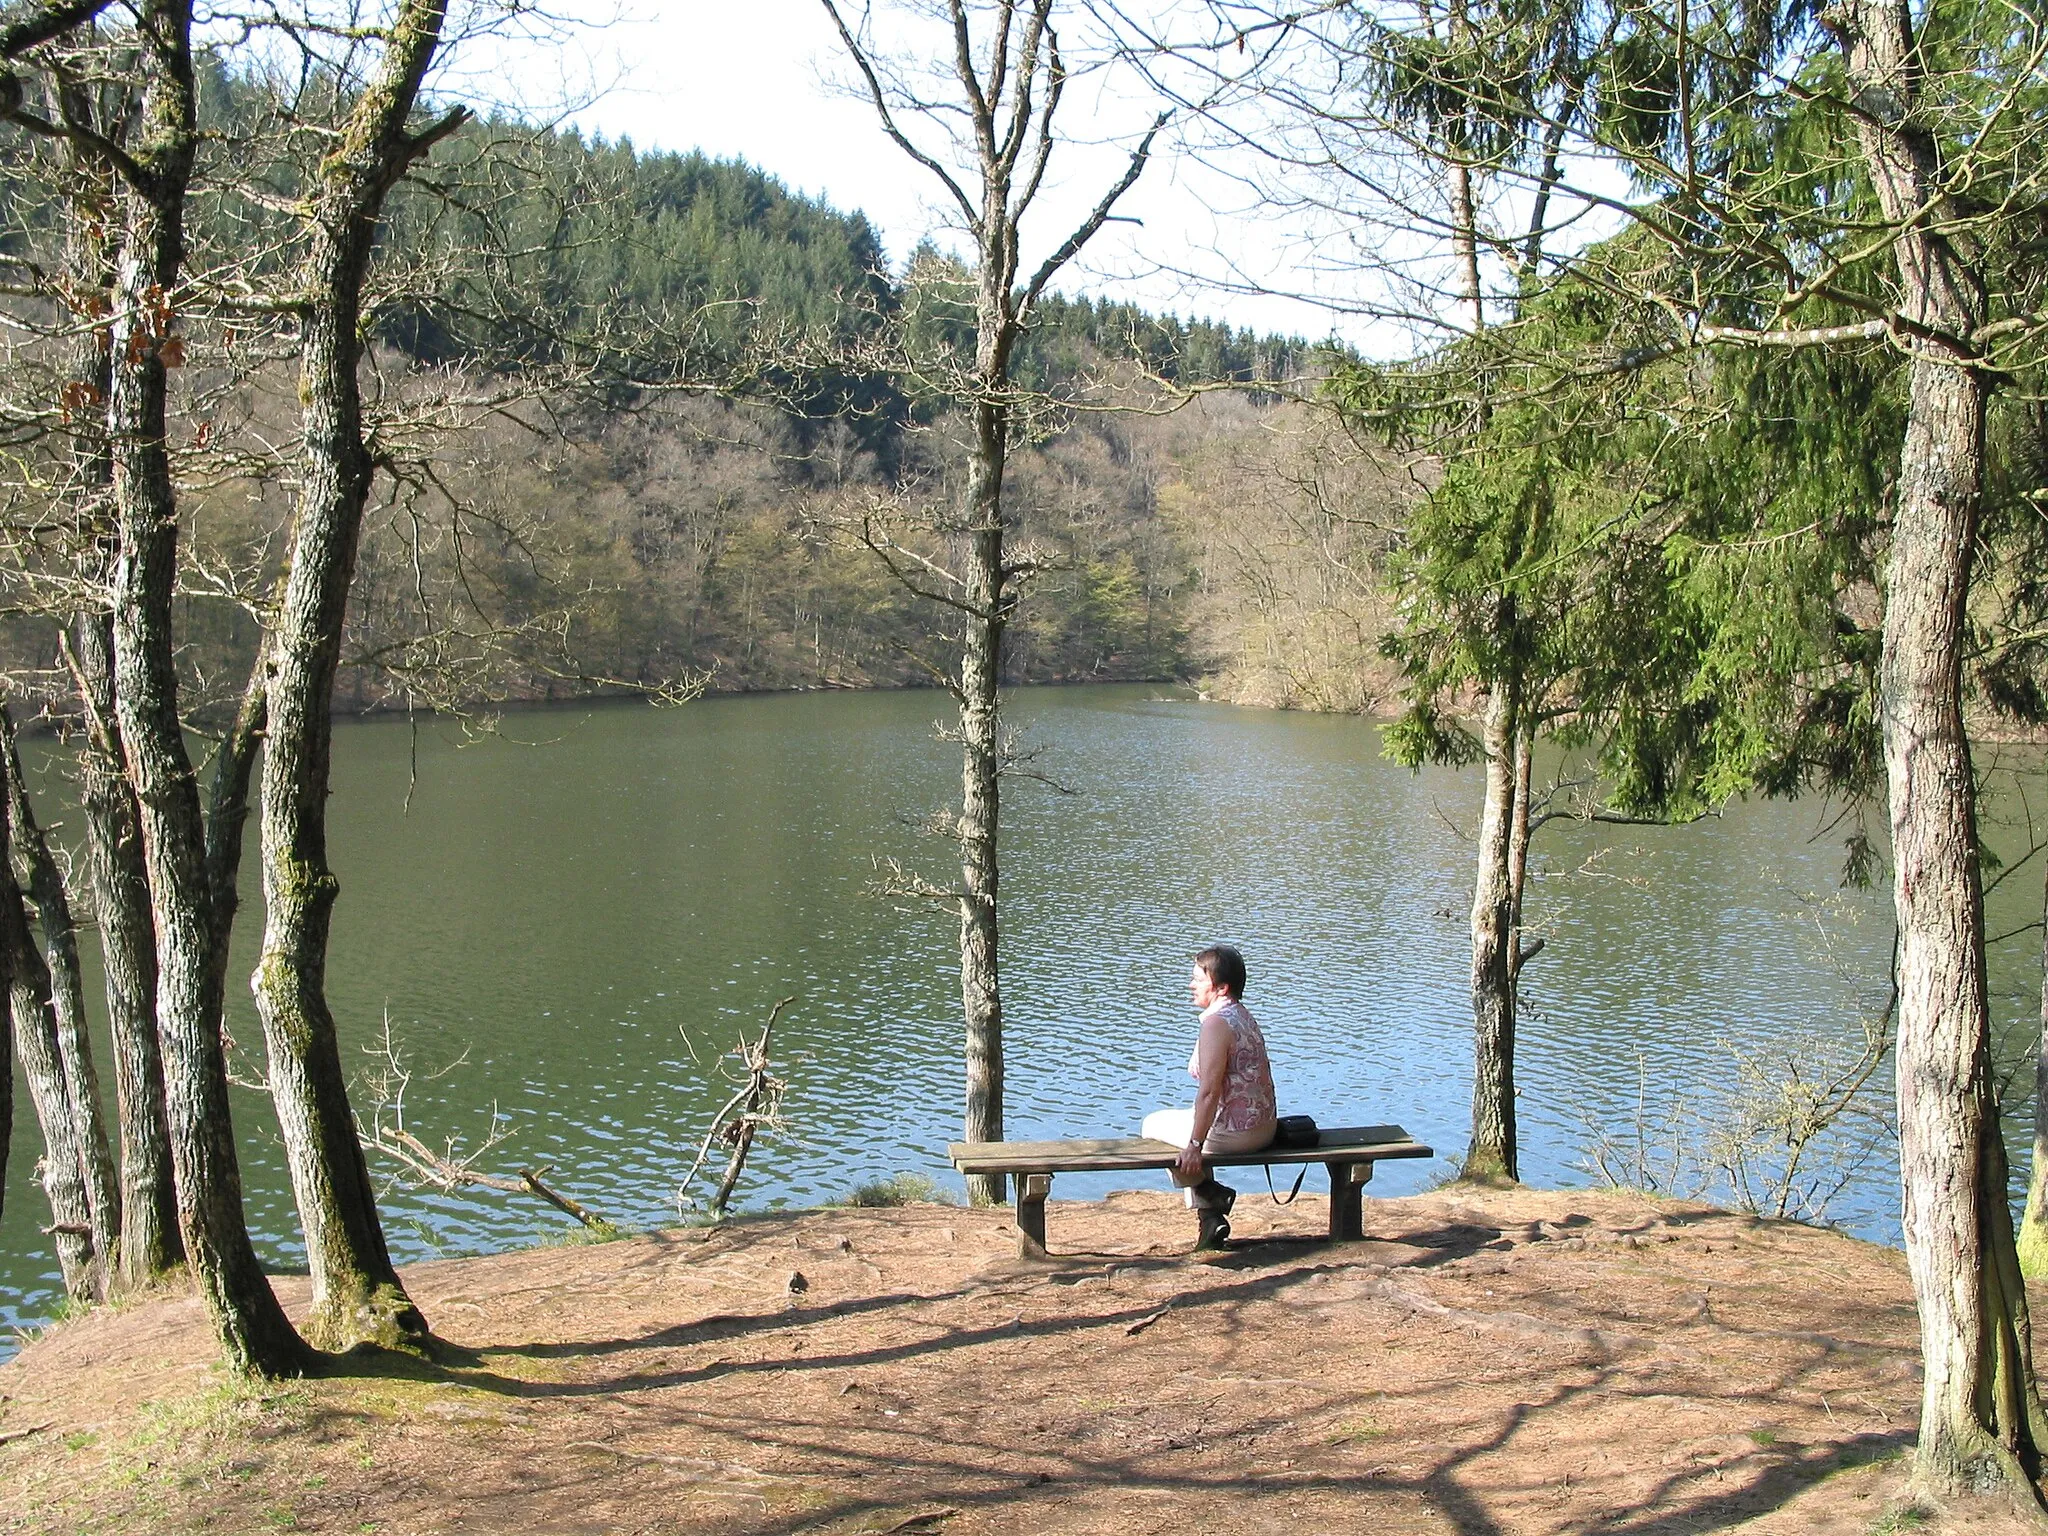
{"points": [[1032, 1188], [1347, 1192]]}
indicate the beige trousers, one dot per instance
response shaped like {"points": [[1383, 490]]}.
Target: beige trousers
{"points": [[1176, 1127]]}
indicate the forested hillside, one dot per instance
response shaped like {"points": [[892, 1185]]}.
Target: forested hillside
{"points": [[607, 524]]}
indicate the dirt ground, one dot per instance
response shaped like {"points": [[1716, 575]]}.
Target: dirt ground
{"points": [[1483, 1363]]}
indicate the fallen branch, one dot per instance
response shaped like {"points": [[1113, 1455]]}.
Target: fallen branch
{"points": [[450, 1169]]}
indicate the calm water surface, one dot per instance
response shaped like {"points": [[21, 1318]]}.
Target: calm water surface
{"points": [[587, 912]]}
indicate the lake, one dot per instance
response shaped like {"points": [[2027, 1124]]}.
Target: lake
{"points": [[571, 920]]}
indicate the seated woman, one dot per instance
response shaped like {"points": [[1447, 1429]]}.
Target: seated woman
{"points": [[1233, 1083]]}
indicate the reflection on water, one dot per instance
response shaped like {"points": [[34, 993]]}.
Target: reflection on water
{"points": [[589, 911]]}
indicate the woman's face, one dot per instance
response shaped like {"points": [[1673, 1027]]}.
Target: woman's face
{"points": [[1203, 992]]}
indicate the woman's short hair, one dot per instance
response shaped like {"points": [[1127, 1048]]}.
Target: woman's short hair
{"points": [[1224, 967]]}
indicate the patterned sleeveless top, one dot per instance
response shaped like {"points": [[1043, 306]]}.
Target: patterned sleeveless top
{"points": [[1248, 1080]]}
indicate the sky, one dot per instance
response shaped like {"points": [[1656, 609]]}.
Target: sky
{"points": [[765, 81]]}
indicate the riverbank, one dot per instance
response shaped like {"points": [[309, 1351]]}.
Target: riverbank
{"points": [[1485, 1362]]}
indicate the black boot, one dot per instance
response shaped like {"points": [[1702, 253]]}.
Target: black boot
{"points": [[1212, 1204]]}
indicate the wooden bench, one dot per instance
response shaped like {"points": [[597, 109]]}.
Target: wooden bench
{"points": [[1349, 1153]]}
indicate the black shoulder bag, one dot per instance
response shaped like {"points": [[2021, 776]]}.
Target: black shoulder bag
{"points": [[1292, 1133]]}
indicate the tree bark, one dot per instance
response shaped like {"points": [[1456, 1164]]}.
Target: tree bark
{"points": [[150, 1243], [254, 1333], [1493, 1153], [63, 1165], [227, 808], [980, 791], [356, 1291], [1981, 1422], [36, 869], [2033, 1233], [6, 1050]]}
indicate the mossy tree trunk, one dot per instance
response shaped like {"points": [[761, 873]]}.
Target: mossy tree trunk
{"points": [[150, 1243], [356, 1291], [253, 1331], [34, 867], [63, 1164]]}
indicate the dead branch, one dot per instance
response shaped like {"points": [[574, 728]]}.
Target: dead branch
{"points": [[756, 1103], [452, 1168]]}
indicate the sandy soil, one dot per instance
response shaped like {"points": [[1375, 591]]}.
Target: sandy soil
{"points": [[1518, 1362]]}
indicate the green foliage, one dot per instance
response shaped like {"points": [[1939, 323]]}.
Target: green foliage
{"points": [[1676, 563], [898, 1189]]}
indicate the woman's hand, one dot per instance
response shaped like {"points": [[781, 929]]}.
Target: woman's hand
{"points": [[1190, 1164]]}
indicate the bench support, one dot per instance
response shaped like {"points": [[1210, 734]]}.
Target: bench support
{"points": [[1032, 1188], [1347, 1193]]}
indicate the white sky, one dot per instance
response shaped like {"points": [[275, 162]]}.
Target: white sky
{"points": [[748, 79]]}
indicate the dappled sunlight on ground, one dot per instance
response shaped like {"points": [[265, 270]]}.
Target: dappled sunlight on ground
{"points": [[1485, 1362]]}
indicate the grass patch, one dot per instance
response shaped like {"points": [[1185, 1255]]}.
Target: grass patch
{"points": [[216, 1432], [1893, 1522], [1357, 1432], [1764, 1439], [581, 1236], [898, 1189]]}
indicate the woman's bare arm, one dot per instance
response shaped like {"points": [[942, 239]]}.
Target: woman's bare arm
{"points": [[1212, 1066]]}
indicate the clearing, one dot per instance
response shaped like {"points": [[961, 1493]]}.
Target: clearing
{"points": [[1487, 1362]]}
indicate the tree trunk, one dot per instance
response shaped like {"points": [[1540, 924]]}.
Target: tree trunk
{"points": [[148, 1242], [227, 808], [6, 1051], [63, 1165], [356, 1290], [2033, 1234], [1492, 1154], [113, 833], [1981, 1424], [254, 1333], [1518, 846], [45, 887], [980, 790]]}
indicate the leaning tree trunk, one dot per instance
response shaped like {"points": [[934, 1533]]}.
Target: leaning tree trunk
{"points": [[2033, 1235], [1492, 1153], [63, 1163], [150, 1243], [254, 1333], [227, 808], [45, 887], [1981, 1422], [356, 1291], [980, 785]]}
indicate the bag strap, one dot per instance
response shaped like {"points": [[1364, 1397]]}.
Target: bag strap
{"points": [[1292, 1192]]}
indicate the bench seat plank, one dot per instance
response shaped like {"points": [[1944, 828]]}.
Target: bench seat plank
{"points": [[1117, 1154]]}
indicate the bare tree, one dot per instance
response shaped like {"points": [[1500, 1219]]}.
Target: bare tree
{"points": [[1005, 86], [155, 172], [357, 1293]]}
